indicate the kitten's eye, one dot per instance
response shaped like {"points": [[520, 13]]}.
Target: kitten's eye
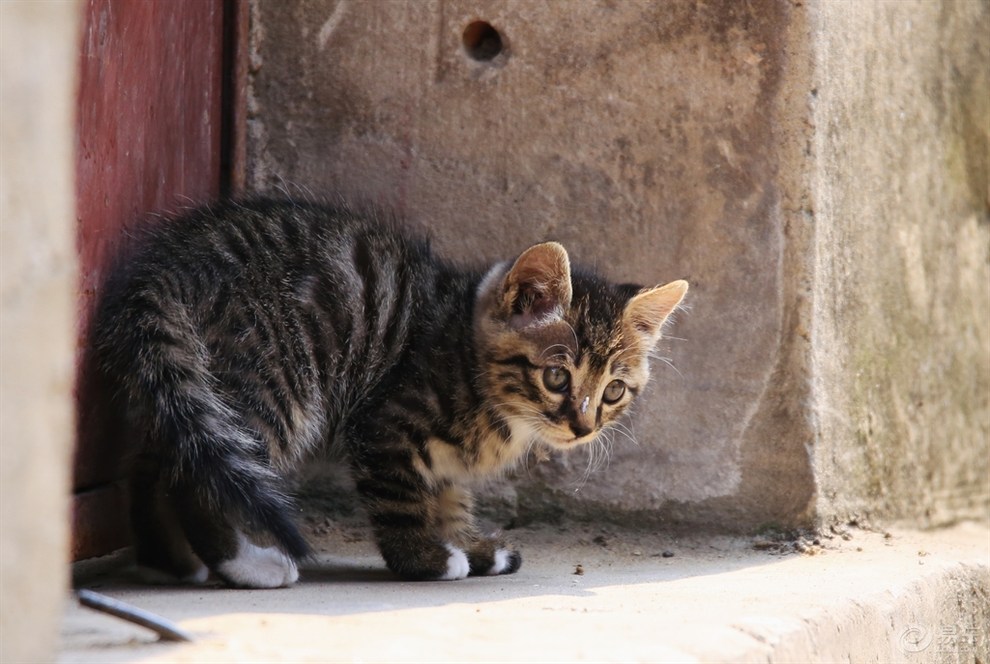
{"points": [[556, 378], [614, 391]]}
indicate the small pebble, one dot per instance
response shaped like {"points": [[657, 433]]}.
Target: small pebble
{"points": [[667, 554]]}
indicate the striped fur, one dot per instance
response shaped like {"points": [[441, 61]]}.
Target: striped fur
{"points": [[245, 338]]}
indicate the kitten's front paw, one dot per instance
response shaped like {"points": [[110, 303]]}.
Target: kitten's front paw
{"points": [[458, 566], [490, 558], [506, 562]]}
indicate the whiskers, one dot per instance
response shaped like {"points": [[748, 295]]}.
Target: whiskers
{"points": [[626, 431], [563, 354], [599, 455], [655, 355], [574, 336], [599, 450]]}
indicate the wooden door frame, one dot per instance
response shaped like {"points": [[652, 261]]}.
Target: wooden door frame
{"points": [[99, 505]]}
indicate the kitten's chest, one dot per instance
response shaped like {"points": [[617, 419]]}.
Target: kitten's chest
{"points": [[482, 455]]}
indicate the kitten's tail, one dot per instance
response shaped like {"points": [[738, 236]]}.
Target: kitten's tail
{"points": [[203, 448], [219, 460]]}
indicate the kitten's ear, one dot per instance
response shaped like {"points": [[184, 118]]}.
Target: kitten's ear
{"points": [[647, 311], [538, 286]]}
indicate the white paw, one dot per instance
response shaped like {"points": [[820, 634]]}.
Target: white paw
{"points": [[457, 565], [257, 567], [502, 559]]}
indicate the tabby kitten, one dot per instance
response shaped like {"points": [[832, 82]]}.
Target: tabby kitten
{"points": [[245, 338]]}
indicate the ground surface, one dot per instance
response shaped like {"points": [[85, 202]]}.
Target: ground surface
{"points": [[585, 594]]}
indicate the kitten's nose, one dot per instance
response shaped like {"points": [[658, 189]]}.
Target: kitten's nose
{"points": [[580, 430]]}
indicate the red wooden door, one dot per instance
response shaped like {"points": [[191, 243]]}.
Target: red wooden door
{"points": [[150, 139]]}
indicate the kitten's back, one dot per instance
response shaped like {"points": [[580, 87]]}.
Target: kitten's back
{"points": [[242, 335]]}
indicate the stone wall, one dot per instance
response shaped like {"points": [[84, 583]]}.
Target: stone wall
{"points": [[902, 286], [38, 59], [718, 142]]}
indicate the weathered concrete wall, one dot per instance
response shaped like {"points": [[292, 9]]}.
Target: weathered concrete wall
{"points": [[38, 59], [902, 285], [642, 135], [656, 140]]}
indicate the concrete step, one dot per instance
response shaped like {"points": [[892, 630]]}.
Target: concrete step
{"points": [[586, 594]]}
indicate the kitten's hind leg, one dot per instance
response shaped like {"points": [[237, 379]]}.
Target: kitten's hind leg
{"points": [[227, 550], [254, 566], [162, 552]]}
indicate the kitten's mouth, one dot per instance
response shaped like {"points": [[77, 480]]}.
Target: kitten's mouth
{"points": [[565, 443], [560, 438], [581, 440]]}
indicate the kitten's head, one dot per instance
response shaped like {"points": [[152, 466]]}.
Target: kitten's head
{"points": [[566, 353]]}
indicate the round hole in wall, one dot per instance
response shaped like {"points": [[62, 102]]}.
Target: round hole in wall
{"points": [[481, 41]]}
